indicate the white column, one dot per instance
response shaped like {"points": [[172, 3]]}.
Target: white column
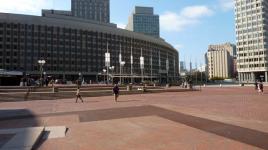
{"points": [[252, 77], [239, 77]]}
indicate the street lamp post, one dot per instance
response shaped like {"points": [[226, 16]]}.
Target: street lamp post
{"points": [[131, 63], [107, 62], [41, 62], [142, 66], [151, 65], [122, 63], [104, 70], [112, 70]]}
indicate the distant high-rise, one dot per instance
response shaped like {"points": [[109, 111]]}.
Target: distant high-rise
{"points": [[182, 66], [220, 60], [97, 10], [143, 20], [252, 39]]}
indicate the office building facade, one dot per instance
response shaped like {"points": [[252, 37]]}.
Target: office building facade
{"points": [[97, 10], [143, 20], [220, 60], [252, 39], [73, 46]]}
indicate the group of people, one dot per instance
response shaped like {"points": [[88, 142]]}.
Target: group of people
{"points": [[259, 87], [115, 92], [29, 81], [186, 84]]}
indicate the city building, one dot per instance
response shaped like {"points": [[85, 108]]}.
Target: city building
{"points": [[252, 39], [73, 47], [182, 66], [220, 60], [143, 20], [97, 10]]}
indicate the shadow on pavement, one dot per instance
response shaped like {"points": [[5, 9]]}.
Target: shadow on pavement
{"points": [[241, 134], [16, 132]]}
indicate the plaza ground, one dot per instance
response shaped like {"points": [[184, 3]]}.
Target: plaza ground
{"points": [[213, 118]]}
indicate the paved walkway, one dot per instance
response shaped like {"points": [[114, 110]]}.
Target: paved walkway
{"points": [[215, 118]]}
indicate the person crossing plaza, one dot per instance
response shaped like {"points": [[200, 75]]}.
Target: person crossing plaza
{"points": [[78, 95], [116, 92]]}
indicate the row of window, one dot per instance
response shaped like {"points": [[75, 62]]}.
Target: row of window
{"points": [[243, 31], [252, 66], [253, 35], [252, 53], [251, 60], [249, 25]]}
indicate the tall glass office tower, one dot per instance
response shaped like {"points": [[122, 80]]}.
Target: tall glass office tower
{"points": [[251, 17], [97, 10], [143, 20]]}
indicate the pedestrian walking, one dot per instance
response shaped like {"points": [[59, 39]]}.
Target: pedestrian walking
{"points": [[116, 92], [78, 95], [260, 88]]}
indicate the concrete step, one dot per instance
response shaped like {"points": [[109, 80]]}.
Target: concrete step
{"points": [[30, 138], [24, 138]]}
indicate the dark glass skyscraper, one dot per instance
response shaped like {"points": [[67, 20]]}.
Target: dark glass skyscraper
{"points": [[143, 20], [97, 10]]}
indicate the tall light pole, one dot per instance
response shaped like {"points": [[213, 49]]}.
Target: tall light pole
{"points": [[79, 81], [174, 65], [120, 65], [131, 63], [104, 71], [167, 67], [107, 62], [112, 69], [142, 66], [159, 66], [151, 65], [41, 62]]}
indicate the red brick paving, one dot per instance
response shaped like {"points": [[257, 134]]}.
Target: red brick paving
{"points": [[239, 106]]}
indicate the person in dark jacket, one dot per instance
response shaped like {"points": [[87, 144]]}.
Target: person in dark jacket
{"points": [[116, 92]]}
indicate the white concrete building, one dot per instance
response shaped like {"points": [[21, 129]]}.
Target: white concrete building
{"points": [[252, 39], [218, 64]]}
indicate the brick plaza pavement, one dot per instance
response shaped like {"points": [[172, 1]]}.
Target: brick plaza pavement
{"points": [[215, 118]]}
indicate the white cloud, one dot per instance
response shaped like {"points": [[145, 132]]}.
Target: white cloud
{"points": [[196, 11], [121, 25], [189, 16], [227, 4], [24, 6]]}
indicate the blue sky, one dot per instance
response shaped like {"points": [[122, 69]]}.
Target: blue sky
{"points": [[189, 25]]}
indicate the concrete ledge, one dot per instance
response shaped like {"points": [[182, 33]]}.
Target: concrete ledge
{"points": [[55, 132], [24, 139]]}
